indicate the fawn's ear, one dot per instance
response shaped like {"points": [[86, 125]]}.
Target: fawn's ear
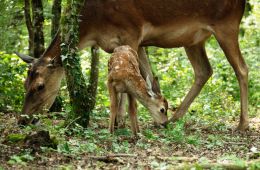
{"points": [[149, 87], [156, 86]]}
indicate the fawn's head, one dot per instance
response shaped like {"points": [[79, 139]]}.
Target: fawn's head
{"points": [[158, 106]]}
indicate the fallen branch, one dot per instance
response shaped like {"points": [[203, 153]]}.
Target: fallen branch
{"points": [[236, 143], [178, 159], [73, 121], [111, 157]]}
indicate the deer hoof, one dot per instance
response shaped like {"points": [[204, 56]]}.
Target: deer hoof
{"points": [[119, 125], [23, 121]]}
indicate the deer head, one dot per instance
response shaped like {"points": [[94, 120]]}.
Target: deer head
{"points": [[157, 104], [41, 85]]}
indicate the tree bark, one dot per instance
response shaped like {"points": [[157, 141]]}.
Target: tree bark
{"points": [[28, 20], [38, 19], [93, 80], [56, 14], [71, 63]]}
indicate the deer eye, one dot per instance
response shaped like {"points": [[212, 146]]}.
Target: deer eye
{"points": [[40, 87], [162, 110]]}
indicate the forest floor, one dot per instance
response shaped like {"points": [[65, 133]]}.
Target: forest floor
{"points": [[185, 145]]}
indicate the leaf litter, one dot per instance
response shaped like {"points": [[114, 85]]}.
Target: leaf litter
{"points": [[94, 148]]}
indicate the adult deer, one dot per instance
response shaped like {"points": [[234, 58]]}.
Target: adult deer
{"points": [[124, 77], [137, 23]]}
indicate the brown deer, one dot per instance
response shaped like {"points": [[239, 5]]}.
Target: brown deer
{"points": [[161, 23], [124, 77]]}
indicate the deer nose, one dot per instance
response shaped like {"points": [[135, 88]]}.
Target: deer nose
{"points": [[40, 87], [162, 110], [165, 125]]}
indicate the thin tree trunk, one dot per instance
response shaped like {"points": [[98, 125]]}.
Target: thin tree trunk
{"points": [[56, 14], [71, 63], [38, 19], [28, 20], [93, 80]]}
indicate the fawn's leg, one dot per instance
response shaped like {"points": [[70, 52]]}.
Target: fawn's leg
{"points": [[132, 109], [202, 69], [120, 118], [113, 107]]}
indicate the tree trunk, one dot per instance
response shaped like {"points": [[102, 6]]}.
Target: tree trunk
{"points": [[28, 20], [38, 19], [93, 80], [55, 24], [56, 14], [71, 63], [34, 26]]}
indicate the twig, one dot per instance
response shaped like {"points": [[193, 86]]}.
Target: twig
{"points": [[73, 121], [236, 143], [111, 158], [107, 157], [180, 159]]}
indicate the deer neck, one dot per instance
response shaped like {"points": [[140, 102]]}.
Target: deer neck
{"points": [[139, 90]]}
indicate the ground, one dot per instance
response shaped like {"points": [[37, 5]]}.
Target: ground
{"points": [[185, 145]]}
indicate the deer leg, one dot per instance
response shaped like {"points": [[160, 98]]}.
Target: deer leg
{"points": [[132, 109], [146, 70], [113, 107], [202, 70], [120, 118], [228, 40], [144, 64]]}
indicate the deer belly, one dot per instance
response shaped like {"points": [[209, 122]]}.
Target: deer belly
{"points": [[177, 36]]}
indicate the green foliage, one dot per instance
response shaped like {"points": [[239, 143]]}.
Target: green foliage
{"points": [[255, 166], [15, 137], [11, 82], [233, 159], [176, 133], [11, 19], [21, 159]]}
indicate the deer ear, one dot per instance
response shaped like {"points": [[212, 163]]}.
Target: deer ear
{"points": [[148, 82], [156, 85], [26, 58], [149, 87], [54, 62]]}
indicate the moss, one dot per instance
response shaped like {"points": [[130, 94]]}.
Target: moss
{"points": [[15, 137]]}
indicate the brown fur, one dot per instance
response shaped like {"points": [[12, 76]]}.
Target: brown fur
{"points": [[124, 77]]}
